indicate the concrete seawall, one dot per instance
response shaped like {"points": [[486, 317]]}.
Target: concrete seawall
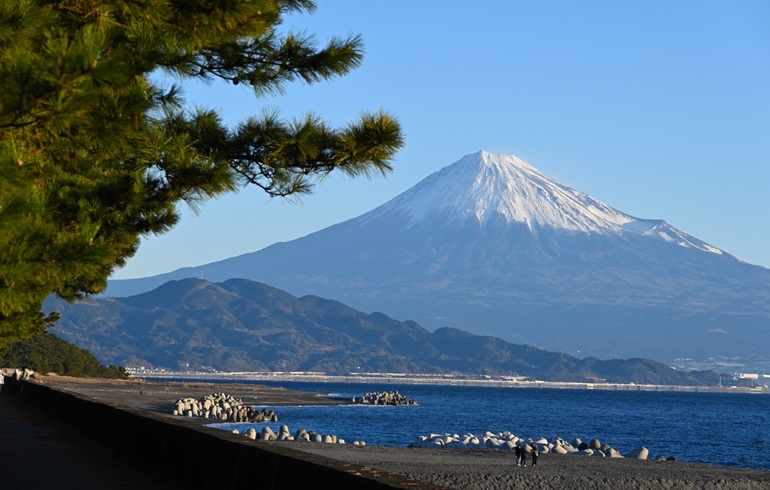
{"points": [[200, 457]]}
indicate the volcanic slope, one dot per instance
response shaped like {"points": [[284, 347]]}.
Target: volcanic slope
{"points": [[492, 246]]}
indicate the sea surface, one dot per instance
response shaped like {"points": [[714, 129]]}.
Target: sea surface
{"points": [[727, 429]]}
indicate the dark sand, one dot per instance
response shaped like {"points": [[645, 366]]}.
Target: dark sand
{"points": [[159, 396], [461, 469]]}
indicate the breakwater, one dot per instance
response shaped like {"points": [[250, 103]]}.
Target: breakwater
{"points": [[393, 398], [222, 407], [508, 441]]}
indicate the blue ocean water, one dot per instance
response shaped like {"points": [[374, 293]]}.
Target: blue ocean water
{"points": [[728, 429]]}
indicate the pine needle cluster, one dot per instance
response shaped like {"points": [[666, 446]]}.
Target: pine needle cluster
{"points": [[95, 154]]}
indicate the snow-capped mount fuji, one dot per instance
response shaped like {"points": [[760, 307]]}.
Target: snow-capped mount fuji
{"points": [[492, 186], [492, 246], [486, 186]]}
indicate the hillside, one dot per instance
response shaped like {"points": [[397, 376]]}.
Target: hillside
{"points": [[241, 325]]}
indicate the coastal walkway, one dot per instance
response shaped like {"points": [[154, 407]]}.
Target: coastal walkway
{"points": [[63, 440], [40, 452]]}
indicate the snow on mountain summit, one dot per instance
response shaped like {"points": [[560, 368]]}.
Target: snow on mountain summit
{"points": [[491, 186], [487, 186]]}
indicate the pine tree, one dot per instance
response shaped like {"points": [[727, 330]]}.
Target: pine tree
{"points": [[46, 353], [95, 154]]}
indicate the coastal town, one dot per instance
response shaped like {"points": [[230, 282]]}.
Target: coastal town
{"points": [[739, 383]]}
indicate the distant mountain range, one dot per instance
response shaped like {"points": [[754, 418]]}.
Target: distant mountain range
{"points": [[492, 246], [241, 325]]}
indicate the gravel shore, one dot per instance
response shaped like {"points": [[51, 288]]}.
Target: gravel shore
{"points": [[478, 469], [473, 469]]}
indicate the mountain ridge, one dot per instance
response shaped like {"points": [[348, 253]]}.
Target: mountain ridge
{"points": [[242, 325]]}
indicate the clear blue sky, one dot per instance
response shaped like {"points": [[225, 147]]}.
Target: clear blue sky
{"points": [[660, 109]]}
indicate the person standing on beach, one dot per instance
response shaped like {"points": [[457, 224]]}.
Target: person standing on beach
{"points": [[524, 455], [534, 454], [517, 449]]}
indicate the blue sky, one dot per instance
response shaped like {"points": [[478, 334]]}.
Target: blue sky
{"points": [[660, 109]]}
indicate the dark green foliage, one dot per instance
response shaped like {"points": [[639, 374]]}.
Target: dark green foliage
{"points": [[46, 353], [95, 154]]}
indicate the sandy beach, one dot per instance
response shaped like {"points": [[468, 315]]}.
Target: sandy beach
{"points": [[474, 469]]}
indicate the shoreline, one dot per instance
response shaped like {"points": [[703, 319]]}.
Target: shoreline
{"points": [[471, 469], [437, 379]]}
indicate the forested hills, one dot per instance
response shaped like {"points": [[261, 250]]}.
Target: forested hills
{"points": [[242, 325]]}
